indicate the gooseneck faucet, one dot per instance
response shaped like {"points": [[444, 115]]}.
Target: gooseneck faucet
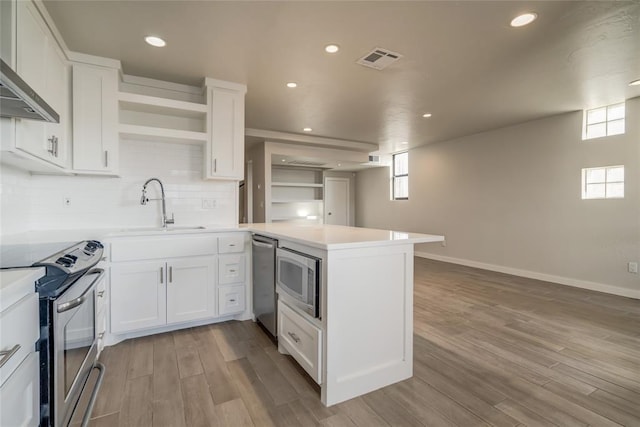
{"points": [[144, 199]]}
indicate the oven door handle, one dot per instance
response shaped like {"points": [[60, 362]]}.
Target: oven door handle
{"points": [[70, 305]]}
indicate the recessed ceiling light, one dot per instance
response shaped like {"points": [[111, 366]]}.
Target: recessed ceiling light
{"points": [[635, 83], [404, 143], [284, 160], [331, 48], [307, 129], [426, 115], [292, 84], [524, 19], [155, 41]]}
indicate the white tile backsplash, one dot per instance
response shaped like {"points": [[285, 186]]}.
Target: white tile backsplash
{"points": [[36, 202]]}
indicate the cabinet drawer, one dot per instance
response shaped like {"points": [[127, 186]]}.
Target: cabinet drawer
{"points": [[231, 244], [231, 269], [301, 339], [230, 299], [19, 329], [20, 395]]}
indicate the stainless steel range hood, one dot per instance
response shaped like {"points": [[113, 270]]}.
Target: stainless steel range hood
{"points": [[17, 99]]}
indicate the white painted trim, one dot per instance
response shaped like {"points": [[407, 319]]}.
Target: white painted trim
{"points": [[567, 281], [317, 141], [94, 60]]}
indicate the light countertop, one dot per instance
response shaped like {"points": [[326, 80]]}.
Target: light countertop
{"points": [[318, 236], [16, 283], [339, 236]]}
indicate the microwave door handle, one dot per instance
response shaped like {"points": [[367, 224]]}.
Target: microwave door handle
{"points": [[70, 305]]}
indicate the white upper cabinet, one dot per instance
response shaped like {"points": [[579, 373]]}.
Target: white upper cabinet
{"points": [[95, 119], [41, 63], [224, 153]]}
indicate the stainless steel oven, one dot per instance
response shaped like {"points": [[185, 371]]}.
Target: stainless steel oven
{"points": [[74, 343], [298, 276]]}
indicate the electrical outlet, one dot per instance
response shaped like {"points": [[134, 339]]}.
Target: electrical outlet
{"points": [[66, 201], [209, 203], [633, 267]]}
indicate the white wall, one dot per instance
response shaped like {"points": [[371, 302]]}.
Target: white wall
{"points": [[510, 200], [35, 202]]}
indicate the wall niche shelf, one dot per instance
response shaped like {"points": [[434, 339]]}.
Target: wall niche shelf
{"points": [[297, 194], [151, 118]]}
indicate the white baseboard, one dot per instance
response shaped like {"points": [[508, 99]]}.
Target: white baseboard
{"points": [[567, 281]]}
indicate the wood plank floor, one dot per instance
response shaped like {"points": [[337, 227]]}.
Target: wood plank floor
{"points": [[490, 349]]}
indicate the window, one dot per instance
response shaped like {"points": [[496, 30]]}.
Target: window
{"points": [[401, 176], [604, 121], [603, 183]]}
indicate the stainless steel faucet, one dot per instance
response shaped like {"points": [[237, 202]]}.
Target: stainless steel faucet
{"points": [[144, 199]]}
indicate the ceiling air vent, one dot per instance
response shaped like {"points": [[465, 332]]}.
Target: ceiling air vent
{"points": [[374, 159], [379, 58]]}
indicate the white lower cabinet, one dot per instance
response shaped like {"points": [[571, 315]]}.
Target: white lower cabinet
{"points": [[231, 299], [19, 360], [191, 289], [20, 395], [138, 296], [301, 339], [146, 294]]}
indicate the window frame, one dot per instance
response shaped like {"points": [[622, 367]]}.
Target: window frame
{"points": [[605, 182], [606, 122], [394, 176]]}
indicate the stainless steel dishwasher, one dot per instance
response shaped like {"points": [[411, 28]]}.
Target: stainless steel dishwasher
{"points": [[264, 282]]}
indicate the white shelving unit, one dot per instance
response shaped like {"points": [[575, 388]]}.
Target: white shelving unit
{"points": [[160, 119], [297, 194]]}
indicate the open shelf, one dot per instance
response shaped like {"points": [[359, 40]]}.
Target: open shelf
{"points": [[149, 133], [156, 105], [296, 184], [297, 201]]}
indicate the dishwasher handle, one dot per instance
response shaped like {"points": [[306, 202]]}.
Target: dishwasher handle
{"points": [[260, 244]]}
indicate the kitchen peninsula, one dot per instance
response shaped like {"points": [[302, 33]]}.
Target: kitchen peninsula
{"points": [[364, 339]]}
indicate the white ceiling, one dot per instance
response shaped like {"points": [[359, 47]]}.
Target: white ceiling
{"points": [[462, 61]]}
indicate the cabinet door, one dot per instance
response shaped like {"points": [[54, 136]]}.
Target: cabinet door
{"points": [[95, 118], [20, 395], [226, 145], [138, 297], [191, 289], [41, 63]]}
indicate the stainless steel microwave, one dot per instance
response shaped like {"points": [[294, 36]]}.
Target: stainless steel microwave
{"points": [[298, 276]]}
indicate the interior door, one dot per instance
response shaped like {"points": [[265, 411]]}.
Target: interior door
{"points": [[336, 201]]}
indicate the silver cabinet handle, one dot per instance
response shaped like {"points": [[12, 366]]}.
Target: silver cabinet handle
{"points": [[106, 158], [215, 165], [294, 337], [161, 275], [6, 354], [100, 294], [232, 271], [171, 274], [231, 245], [51, 146], [232, 300], [56, 142]]}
